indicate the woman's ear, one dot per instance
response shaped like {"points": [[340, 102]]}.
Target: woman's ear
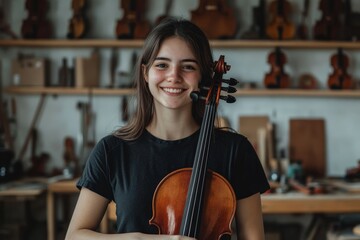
{"points": [[144, 72]]}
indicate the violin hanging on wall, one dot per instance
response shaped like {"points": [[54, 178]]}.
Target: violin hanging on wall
{"points": [[131, 25], [36, 25], [280, 27], [329, 27], [77, 23], [215, 18], [340, 79], [202, 202], [277, 77]]}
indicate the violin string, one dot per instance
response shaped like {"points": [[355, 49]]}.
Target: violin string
{"points": [[199, 155], [197, 188]]}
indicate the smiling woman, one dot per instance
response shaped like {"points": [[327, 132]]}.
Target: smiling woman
{"points": [[171, 78], [127, 166]]}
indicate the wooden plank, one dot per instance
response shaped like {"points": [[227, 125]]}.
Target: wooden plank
{"points": [[307, 144], [302, 203], [255, 129]]}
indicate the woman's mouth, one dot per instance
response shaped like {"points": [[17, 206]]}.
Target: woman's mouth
{"points": [[173, 90]]}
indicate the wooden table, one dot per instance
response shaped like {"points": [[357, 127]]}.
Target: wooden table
{"points": [[295, 202], [287, 203], [28, 188], [61, 187], [25, 190]]}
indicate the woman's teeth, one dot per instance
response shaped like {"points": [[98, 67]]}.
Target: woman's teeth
{"points": [[173, 90]]}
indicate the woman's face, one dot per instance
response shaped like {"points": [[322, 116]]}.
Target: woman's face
{"points": [[173, 75]]}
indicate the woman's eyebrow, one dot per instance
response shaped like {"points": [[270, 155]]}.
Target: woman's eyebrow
{"points": [[183, 60], [162, 58]]}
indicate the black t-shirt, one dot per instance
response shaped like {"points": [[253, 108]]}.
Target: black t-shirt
{"points": [[128, 172]]}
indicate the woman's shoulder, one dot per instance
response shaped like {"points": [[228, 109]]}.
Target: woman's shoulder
{"points": [[110, 141], [229, 135]]}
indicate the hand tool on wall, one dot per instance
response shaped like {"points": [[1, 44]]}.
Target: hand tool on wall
{"points": [[86, 137], [18, 165], [114, 61]]}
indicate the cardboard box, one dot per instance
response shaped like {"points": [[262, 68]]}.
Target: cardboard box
{"points": [[87, 71], [30, 72]]}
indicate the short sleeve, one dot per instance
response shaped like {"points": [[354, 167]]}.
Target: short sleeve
{"points": [[95, 175]]}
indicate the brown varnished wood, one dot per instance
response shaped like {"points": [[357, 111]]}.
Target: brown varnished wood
{"points": [[171, 196]]}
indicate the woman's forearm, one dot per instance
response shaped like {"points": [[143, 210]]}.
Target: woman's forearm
{"points": [[86, 234]]}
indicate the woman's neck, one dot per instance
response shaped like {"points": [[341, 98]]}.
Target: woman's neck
{"points": [[172, 126]]}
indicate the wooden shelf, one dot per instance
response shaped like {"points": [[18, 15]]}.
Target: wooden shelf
{"points": [[110, 43], [239, 93], [299, 93], [68, 91]]}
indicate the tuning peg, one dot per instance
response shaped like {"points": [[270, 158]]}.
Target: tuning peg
{"points": [[228, 98], [195, 95], [231, 81], [229, 89]]}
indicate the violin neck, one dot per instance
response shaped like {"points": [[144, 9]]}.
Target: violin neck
{"points": [[190, 224]]}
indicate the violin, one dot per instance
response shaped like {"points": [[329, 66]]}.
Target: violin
{"points": [[215, 18], [340, 79], [36, 25], [329, 27], [202, 202], [132, 25], [280, 27], [77, 23], [277, 78]]}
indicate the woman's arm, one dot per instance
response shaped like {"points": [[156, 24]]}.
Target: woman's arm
{"points": [[249, 221], [88, 213]]}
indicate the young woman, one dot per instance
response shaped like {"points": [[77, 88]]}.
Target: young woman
{"points": [[127, 166]]}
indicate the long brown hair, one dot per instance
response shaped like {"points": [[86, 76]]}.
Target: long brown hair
{"points": [[200, 46]]}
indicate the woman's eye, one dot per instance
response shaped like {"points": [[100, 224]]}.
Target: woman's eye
{"points": [[189, 67], [161, 65]]}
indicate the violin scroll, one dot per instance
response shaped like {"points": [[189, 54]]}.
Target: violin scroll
{"points": [[220, 67]]}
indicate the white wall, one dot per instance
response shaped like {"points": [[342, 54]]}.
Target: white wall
{"points": [[60, 117]]}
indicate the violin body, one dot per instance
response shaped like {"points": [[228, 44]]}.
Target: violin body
{"points": [[280, 27], [329, 27], [215, 19], [77, 24], [173, 202], [132, 25], [277, 78], [36, 25], [340, 79]]}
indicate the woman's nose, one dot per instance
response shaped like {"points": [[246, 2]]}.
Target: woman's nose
{"points": [[174, 75]]}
